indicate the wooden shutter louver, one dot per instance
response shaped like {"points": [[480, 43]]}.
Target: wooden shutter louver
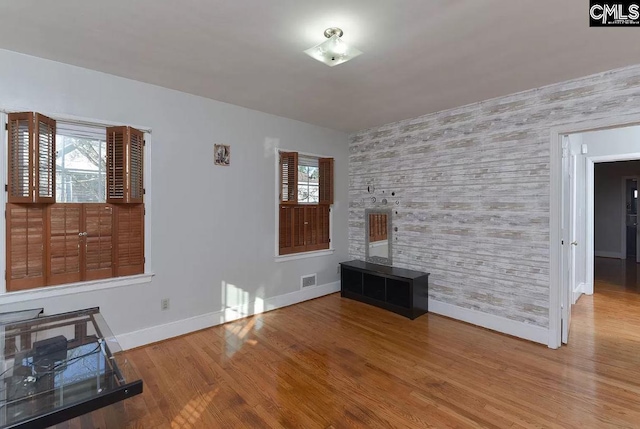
{"points": [[325, 167], [286, 223], [32, 156], [129, 239], [65, 223], [288, 177], [125, 154], [25, 254], [323, 226], [98, 242]]}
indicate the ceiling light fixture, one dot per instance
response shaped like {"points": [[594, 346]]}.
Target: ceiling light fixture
{"points": [[333, 51]]}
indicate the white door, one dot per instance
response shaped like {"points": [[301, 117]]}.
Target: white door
{"points": [[573, 231], [566, 240]]}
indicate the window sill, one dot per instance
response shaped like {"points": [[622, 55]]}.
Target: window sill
{"points": [[304, 255], [73, 288]]}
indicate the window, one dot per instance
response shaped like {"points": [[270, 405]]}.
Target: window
{"points": [[306, 195], [74, 209]]}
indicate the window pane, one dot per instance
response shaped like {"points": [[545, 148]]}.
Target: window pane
{"points": [[303, 174], [314, 194], [80, 170], [313, 174], [303, 193]]}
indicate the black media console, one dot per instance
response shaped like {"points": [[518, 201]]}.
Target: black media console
{"points": [[402, 291]]}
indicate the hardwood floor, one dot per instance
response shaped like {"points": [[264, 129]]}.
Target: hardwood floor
{"points": [[333, 362]]}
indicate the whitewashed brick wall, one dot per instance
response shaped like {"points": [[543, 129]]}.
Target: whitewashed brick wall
{"points": [[472, 186]]}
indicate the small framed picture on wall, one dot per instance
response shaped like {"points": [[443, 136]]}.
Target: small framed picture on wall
{"points": [[222, 154]]}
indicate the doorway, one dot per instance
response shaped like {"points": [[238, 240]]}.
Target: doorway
{"points": [[573, 268]]}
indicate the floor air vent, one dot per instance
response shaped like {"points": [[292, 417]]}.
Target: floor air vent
{"points": [[309, 280]]}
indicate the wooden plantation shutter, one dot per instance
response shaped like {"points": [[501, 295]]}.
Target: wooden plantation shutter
{"points": [[98, 241], [288, 177], [135, 155], [25, 246], [78, 244], [311, 227], [312, 231], [125, 149], [65, 253], [129, 234], [325, 167], [45, 139], [303, 228], [316, 227], [32, 157], [298, 229], [115, 164], [292, 232]]}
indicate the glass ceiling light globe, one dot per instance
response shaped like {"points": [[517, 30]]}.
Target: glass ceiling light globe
{"points": [[334, 50]]}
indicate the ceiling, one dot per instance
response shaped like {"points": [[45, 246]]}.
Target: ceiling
{"points": [[420, 56]]}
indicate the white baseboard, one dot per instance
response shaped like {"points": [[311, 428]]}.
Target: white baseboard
{"points": [[501, 324], [616, 255], [578, 291], [153, 334], [588, 289]]}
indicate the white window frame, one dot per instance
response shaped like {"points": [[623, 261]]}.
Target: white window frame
{"points": [[300, 255], [84, 286]]}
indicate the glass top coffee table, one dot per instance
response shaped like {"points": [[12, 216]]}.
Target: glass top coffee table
{"points": [[58, 367]]}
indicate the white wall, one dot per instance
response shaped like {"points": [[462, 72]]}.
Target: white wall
{"points": [[611, 142], [210, 226]]}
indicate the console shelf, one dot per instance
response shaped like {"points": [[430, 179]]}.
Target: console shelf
{"points": [[402, 291]]}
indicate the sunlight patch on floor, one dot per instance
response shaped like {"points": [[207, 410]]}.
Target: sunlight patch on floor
{"points": [[191, 412]]}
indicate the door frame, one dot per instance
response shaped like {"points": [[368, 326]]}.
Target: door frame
{"points": [[556, 282]]}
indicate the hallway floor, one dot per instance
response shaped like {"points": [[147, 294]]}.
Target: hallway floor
{"points": [[617, 276], [614, 309]]}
